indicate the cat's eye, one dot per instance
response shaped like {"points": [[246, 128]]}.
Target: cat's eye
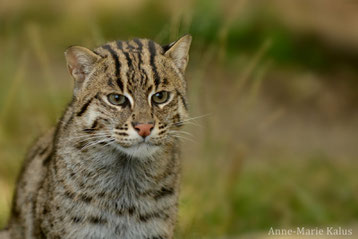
{"points": [[117, 99], [160, 97]]}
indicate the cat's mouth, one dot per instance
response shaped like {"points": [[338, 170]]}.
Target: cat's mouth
{"points": [[140, 149], [132, 143], [135, 142]]}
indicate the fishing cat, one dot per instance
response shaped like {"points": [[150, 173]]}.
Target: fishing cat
{"points": [[111, 168]]}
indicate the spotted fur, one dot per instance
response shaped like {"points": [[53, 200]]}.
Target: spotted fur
{"points": [[94, 176]]}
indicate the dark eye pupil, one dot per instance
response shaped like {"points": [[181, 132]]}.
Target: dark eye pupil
{"points": [[160, 97], [117, 99]]}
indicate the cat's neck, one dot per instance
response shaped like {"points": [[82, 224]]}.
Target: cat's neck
{"points": [[105, 166]]}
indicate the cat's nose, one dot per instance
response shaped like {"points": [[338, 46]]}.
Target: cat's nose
{"points": [[143, 129]]}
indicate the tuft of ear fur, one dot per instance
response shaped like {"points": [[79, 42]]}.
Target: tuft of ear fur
{"points": [[178, 51], [80, 63]]}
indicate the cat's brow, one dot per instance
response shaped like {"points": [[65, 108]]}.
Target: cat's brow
{"points": [[117, 64], [153, 53]]}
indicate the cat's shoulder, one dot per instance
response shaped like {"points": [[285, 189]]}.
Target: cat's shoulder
{"points": [[42, 147]]}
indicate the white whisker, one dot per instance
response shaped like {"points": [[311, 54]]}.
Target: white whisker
{"points": [[85, 137], [188, 120], [182, 132], [183, 137], [94, 143]]}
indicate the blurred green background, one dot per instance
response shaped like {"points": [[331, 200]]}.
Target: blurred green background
{"points": [[273, 84]]}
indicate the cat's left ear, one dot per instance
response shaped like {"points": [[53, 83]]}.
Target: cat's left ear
{"points": [[178, 51], [80, 63]]}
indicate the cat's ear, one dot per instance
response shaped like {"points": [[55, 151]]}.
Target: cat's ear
{"points": [[178, 51], [80, 63]]}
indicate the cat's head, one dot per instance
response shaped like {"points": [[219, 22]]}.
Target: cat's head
{"points": [[129, 94]]}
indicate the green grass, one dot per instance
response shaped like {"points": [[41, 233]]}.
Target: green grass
{"points": [[263, 195], [273, 147]]}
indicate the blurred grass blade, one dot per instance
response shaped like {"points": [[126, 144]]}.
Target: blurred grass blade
{"points": [[13, 89]]}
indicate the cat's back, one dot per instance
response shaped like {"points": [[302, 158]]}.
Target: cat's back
{"points": [[29, 183]]}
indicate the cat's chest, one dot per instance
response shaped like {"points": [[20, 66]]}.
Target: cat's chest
{"points": [[112, 198], [116, 218], [123, 189], [119, 227], [106, 171]]}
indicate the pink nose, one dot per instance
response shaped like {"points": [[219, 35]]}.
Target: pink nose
{"points": [[144, 129]]}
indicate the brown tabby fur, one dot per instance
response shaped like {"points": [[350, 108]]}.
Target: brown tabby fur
{"points": [[94, 176]]}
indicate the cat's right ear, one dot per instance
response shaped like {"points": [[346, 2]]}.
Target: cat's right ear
{"points": [[80, 63]]}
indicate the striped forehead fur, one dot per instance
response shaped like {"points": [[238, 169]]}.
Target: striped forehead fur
{"points": [[128, 59]]}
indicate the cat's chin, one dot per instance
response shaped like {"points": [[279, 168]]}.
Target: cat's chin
{"points": [[140, 150]]}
